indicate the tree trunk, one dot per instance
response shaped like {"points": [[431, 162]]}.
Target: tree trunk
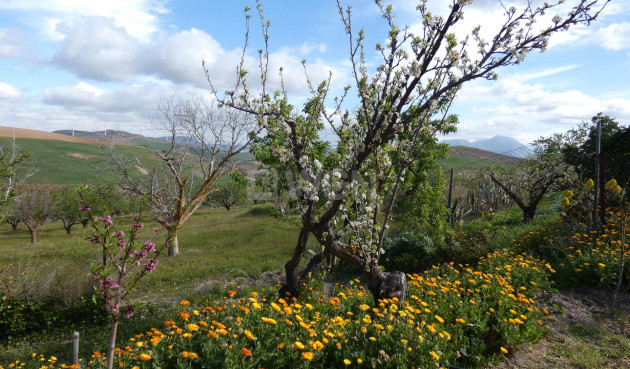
{"points": [[173, 245], [14, 226], [33, 235], [529, 212], [69, 229], [228, 207], [112, 343], [384, 285], [291, 285]]}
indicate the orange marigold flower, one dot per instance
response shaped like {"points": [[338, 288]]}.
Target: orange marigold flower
{"points": [[144, 357], [504, 350], [307, 356], [232, 293], [246, 352], [184, 303]]}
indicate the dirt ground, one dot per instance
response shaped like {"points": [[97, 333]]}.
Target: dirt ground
{"points": [[588, 329]]}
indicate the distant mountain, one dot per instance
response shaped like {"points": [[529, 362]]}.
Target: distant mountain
{"points": [[497, 144]]}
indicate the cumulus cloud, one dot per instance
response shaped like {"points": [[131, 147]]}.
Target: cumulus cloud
{"points": [[614, 37], [96, 48], [10, 42], [138, 17], [8, 92], [84, 97], [526, 111], [89, 107]]}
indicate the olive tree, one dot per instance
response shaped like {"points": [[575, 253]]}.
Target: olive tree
{"points": [[345, 187], [202, 143]]}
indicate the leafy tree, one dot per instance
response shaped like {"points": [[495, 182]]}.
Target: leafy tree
{"points": [[528, 181], [203, 140], [615, 147], [34, 206], [229, 194], [346, 192], [67, 208], [420, 207]]}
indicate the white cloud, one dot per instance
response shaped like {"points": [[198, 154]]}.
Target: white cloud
{"points": [[8, 92], [614, 37], [138, 17], [527, 111], [10, 42], [308, 47], [83, 97], [522, 77], [96, 48]]}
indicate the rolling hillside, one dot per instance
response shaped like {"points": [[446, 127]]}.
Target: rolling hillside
{"points": [[60, 158]]}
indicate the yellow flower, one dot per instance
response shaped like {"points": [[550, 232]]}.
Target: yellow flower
{"points": [[504, 350], [347, 362], [269, 321], [307, 356], [359, 361], [146, 357], [565, 202], [193, 327], [299, 345], [435, 355], [439, 318], [275, 306], [249, 335], [589, 184]]}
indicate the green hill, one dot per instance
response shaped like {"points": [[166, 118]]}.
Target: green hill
{"points": [[62, 162]]}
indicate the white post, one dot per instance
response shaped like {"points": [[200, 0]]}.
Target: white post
{"points": [[75, 348]]}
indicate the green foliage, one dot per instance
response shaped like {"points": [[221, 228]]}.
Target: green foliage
{"points": [[578, 147]]}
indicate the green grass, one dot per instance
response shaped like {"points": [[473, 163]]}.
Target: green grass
{"points": [[212, 243]]}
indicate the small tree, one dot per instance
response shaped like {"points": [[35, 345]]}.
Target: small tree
{"points": [[528, 181], [66, 208], [34, 206], [203, 141], [229, 194], [10, 160], [127, 262]]}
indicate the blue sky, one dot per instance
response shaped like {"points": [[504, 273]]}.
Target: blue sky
{"points": [[94, 65]]}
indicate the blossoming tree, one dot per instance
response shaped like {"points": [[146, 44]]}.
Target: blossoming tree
{"points": [[346, 191]]}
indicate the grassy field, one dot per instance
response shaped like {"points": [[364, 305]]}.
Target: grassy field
{"points": [[213, 243]]}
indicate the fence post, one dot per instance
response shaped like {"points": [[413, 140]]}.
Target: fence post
{"points": [[75, 348], [596, 188], [450, 200]]}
